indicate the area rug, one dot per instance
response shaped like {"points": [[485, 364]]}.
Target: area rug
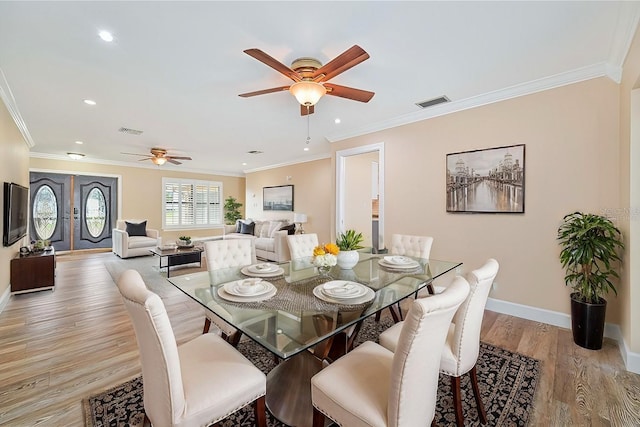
{"points": [[507, 383]]}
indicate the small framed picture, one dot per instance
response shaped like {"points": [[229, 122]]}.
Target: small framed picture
{"points": [[490, 180], [279, 198]]}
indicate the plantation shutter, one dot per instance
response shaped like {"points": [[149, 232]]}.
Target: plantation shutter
{"points": [[193, 204]]}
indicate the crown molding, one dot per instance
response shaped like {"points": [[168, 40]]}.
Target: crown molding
{"points": [[7, 97], [132, 165], [292, 162], [563, 79], [625, 31]]}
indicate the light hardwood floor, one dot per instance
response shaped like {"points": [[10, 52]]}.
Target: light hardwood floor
{"points": [[58, 347]]}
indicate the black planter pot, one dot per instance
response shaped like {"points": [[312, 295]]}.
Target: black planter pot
{"points": [[587, 323]]}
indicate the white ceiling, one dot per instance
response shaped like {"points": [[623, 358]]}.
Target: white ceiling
{"points": [[175, 70]]}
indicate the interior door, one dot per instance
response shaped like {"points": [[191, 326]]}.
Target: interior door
{"points": [[94, 203], [50, 209]]}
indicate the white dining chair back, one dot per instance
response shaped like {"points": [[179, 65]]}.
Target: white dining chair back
{"points": [[301, 245], [187, 385], [413, 246], [229, 253], [371, 386], [222, 254]]}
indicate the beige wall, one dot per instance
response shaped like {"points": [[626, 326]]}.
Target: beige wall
{"points": [[358, 195], [572, 161], [142, 190], [14, 167], [312, 194]]}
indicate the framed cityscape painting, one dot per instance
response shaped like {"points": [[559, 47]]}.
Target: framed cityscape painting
{"points": [[486, 181], [278, 198]]}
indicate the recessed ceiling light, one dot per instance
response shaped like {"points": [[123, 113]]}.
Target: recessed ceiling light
{"points": [[75, 156], [337, 120], [106, 36], [79, 142], [306, 148], [244, 163], [89, 102]]}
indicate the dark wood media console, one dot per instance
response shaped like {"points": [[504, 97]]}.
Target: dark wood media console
{"points": [[33, 272]]}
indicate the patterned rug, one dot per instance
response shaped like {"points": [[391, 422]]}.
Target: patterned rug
{"points": [[507, 382]]}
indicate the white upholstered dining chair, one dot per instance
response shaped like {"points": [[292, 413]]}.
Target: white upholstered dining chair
{"points": [[463, 340], [225, 254], [301, 245], [412, 246], [372, 386], [197, 383]]}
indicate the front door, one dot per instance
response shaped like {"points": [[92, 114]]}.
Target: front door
{"points": [[73, 211]]}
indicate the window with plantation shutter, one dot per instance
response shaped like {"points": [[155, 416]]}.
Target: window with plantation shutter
{"points": [[191, 204]]}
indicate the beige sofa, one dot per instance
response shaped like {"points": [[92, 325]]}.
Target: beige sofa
{"points": [[126, 246], [270, 240]]}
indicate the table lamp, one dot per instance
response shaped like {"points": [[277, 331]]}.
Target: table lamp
{"points": [[299, 218]]}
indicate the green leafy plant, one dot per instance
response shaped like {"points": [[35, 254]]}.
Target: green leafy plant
{"points": [[590, 245], [231, 210], [185, 238], [349, 240]]}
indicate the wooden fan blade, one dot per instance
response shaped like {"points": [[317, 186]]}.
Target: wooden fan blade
{"points": [[304, 110], [349, 92], [178, 157], [264, 91], [137, 154], [175, 162], [273, 63], [349, 58], [146, 158]]}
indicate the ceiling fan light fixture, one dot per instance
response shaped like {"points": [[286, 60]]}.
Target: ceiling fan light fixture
{"points": [[159, 161], [307, 93]]}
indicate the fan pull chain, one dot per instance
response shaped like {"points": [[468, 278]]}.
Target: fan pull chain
{"points": [[308, 119]]}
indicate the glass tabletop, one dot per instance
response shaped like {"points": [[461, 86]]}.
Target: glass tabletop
{"points": [[297, 314]]}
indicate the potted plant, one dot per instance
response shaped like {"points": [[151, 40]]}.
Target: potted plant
{"points": [[184, 241], [231, 210], [349, 243], [590, 245]]}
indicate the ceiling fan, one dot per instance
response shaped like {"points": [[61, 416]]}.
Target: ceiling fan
{"points": [[159, 157], [311, 77]]}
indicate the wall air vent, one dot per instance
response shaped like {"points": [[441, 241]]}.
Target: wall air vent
{"points": [[435, 101], [254, 152], [130, 131]]}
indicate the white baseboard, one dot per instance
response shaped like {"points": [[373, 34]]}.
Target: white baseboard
{"points": [[562, 320], [4, 299]]}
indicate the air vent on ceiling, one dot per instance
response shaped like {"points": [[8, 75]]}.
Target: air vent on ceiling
{"points": [[130, 131], [435, 101], [254, 152]]}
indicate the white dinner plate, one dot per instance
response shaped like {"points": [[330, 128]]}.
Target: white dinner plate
{"points": [[410, 266], [398, 260], [247, 272], [264, 267], [247, 287], [368, 296], [342, 289], [234, 298]]}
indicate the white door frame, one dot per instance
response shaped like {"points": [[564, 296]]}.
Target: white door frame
{"points": [[340, 185]]}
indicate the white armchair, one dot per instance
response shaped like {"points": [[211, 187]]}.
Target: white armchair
{"points": [[126, 245]]}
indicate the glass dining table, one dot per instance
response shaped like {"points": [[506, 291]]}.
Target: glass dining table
{"points": [[299, 322]]}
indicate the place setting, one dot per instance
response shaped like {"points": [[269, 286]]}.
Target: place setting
{"points": [[247, 290], [264, 269], [398, 262], [344, 292]]}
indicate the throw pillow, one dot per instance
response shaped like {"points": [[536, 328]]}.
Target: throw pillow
{"points": [[290, 229], [134, 229], [247, 228]]}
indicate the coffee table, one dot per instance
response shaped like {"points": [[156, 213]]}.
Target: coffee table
{"points": [[178, 256]]}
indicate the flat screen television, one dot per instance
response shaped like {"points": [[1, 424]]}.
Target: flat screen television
{"points": [[16, 212]]}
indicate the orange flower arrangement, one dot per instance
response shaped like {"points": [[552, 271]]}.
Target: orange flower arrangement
{"points": [[325, 255]]}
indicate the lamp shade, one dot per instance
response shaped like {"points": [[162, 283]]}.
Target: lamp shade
{"points": [[307, 93], [299, 217], [159, 160]]}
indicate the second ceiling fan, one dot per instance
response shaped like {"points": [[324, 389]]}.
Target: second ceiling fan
{"points": [[310, 77]]}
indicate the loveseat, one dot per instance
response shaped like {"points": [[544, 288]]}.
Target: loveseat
{"points": [[270, 237], [132, 238]]}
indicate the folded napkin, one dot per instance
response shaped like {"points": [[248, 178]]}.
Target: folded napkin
{"points": [[398, 260]]}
